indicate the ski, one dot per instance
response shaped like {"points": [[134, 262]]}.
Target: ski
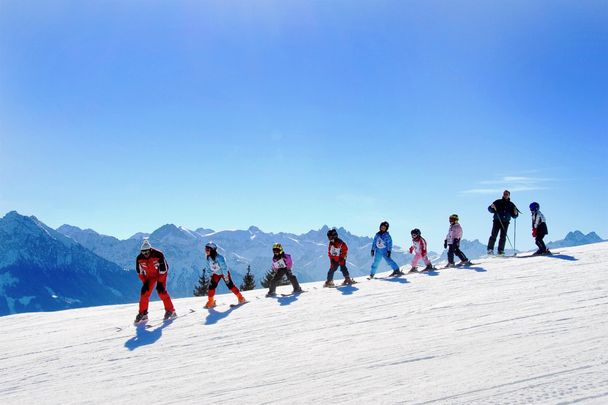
{"points": [[293, 294], [159, 322], [240, 304]]}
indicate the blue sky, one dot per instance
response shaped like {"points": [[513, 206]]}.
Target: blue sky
{"points": [[288, 115]]}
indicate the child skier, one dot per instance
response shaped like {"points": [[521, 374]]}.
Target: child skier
{"points": [[337, 251], [281, 266], [381, 248], [539, 229], [419, 246], [452, 242], [219, 271]]}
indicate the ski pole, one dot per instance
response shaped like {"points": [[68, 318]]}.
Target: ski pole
{"points": [[505, 231]]}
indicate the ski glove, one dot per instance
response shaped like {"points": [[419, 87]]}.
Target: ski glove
{"points": [[372, 252], [411, 250], [445, 243], [534, 232], [388, 253]]}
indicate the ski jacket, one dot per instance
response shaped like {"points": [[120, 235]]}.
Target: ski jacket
{"points": [[505, 210], [382, 242], [539, 223], [419, 246], [152, 267], [283, 262], [455, 232], [337, 251], [217, 265]]}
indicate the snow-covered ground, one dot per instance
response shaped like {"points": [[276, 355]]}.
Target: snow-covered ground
{"points": [[506, 331]]}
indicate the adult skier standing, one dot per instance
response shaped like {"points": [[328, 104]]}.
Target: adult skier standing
{"points": [[219, 271], [503, 210], [152, 269], [382, 247]]}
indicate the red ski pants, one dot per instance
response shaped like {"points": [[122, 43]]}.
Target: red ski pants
{"points": [[146, 291]]}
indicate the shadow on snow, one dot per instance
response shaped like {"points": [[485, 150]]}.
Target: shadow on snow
{"points": [[144, 336]]}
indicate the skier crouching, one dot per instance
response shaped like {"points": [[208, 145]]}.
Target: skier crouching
{"points": [[152, 269], [219, 271], [281, 266]]}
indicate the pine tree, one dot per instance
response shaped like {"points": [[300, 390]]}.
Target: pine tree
{"points": [[203, 285], [248, 281], [268, 278]]}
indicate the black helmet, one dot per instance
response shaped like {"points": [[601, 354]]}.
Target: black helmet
{"points": [[415, 233], [332, 233], [454, 218], [385, 224], [534, 207]]}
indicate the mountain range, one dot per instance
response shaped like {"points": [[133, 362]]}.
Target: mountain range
{"points": [[42, 269]]}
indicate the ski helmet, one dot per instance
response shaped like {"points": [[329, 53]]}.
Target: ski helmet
{"points": [[211, 245], [454, 218], [332, 233], [279, 247], [534, 206], [385, 223], [415, 233]]}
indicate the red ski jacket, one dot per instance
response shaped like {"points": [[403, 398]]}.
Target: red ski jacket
{"points": [[154, 267], [337, 251]]}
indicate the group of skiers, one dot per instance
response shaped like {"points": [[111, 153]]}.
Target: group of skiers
{"points": [[152, 267]]}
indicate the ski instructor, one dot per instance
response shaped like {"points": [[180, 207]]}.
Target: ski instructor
{"points": [[503, 211]]}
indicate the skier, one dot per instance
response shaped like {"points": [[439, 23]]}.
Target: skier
{"points": [[419, 246], [337, 251], [503, 211], [381, 248], [281, 266], [452, 242], [152, 269], [539, 229], [219, 271]]}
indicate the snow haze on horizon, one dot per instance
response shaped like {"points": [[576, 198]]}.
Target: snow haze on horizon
{"points": [[515, 330], [293, 115]]}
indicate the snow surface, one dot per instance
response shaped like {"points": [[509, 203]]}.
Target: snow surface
{"points": [[506, 331]]}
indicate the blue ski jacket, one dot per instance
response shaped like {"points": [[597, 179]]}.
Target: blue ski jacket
{"points": [[382, 242]]}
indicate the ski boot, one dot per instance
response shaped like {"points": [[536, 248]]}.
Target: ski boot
{"points": [[414, 269], [371, 276], [428, 267], [242, 300], [141, 317], [329, 284], [210, 304], [271, 294], [169, 315], [347, 281], [396, 273], [449, 266], [464, 263], [298, 291], [490, 252]]}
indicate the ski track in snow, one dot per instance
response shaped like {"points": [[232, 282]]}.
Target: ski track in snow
{"points": [[531, 331]]}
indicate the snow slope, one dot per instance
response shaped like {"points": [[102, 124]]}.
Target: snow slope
{"points": [[507, 331]]}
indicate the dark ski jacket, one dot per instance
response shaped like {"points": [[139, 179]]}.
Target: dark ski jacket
{"points": [[505, 210]]}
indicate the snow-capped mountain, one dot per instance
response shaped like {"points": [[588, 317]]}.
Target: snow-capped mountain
{"points": [[184, 250], [43, 270], [506, 331], [575, 238]]}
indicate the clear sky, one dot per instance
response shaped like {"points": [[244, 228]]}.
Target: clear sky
{"points": [[288, 115]]}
